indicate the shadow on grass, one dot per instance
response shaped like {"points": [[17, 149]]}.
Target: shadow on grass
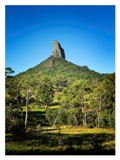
{"points": [[55, 104], [62, 144], [36, 117]]}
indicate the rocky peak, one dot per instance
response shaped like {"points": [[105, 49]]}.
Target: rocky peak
{"points": [[58, 51]]}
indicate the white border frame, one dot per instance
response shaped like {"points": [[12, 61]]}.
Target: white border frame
{"points": [[2, 66]]}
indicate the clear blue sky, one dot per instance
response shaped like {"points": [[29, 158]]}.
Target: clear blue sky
{"points": [[86, 33]]}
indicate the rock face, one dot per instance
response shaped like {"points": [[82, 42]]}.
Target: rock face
{"points": [[58, 51]]}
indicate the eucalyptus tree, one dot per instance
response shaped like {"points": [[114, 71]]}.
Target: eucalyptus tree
{"points": [[8, 71], [108, 112], [27, 91], [77, 96], [103, 101], [45, 92], [13, 104]]}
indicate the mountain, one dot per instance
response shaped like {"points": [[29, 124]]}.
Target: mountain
{"points": [[58, 51], [56, 67]]}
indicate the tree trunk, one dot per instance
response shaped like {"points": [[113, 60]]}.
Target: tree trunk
{"points": [[99, 110], [85, 115], [46, 107], [26, 116], [98, 125], [55, 119], [75, 120], [85, 120]]}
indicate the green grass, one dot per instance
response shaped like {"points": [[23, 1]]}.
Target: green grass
{"points": [[41, 108], [55, 140], [62, 140], [42, 139], [80, 130]]}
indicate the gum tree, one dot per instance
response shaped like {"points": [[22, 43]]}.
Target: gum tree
{"points": [[45, 92]]}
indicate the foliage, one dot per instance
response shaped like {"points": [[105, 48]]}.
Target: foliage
{"points": [[96, 100], [78, 98], [13, 110], [86, 98], [8, 71], [45, 91], [59, 71]]}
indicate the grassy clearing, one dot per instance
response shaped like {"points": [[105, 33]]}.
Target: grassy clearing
{"points": [[79, 130], [63, 140], [43, 139], [41, 108]]}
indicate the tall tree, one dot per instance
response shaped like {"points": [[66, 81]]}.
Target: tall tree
{"points": [[8, 71], [77, 95], [27, 91], [103, 101], [27, 102], [108, 86], [45, 92], [13, 105]]}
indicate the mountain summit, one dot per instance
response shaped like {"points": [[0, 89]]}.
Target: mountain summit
{"points": [[56, 67], [58, 51]]}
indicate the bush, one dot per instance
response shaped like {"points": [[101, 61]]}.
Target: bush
{"points": [[50, 116], [59, 89], [63, 116], [14, 119], [90, 126], [74, 116], [17, 128]]}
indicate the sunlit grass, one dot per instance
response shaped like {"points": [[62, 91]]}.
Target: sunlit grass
{"points": [[39, 107], [83, 139], [109, 145], [60, 139], [78, 130], [54, 107]]}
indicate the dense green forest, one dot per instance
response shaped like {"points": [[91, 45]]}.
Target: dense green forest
{"points": [[55, 96]]}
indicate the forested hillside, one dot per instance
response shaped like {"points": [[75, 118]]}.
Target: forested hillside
{"points": [[62, 94], [56, 68], [77, 88]]}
